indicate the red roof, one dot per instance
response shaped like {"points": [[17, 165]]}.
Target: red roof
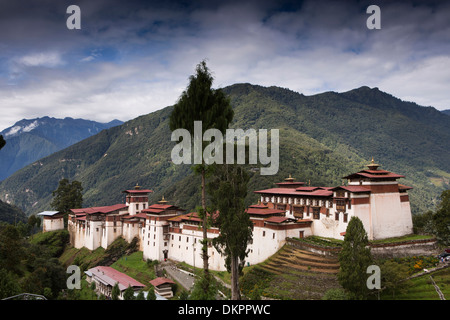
{"points": [[290, 184], [138, 191], [111, 276], [307, 188], [138, 215], [264, 211], [375, 174], [192, 216], [277, 219], [317, 191], [158, 208], [105, 209], [161, 206], [159, 281], [353, 189], [260, 206], [152, 210]]}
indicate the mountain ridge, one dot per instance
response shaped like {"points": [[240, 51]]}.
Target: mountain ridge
{"points": [[31, 139], [323, 138]]}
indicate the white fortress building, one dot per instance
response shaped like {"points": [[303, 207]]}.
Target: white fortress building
{"points": [[289, 210]]}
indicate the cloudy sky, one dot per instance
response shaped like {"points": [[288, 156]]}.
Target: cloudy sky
{"points": [[133, 57]]}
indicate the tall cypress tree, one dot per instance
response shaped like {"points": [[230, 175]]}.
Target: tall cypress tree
{"points": [[200, 102], [228, 189], [354, 259]]}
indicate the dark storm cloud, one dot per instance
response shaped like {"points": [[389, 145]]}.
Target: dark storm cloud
{"points": [[132, 57]]}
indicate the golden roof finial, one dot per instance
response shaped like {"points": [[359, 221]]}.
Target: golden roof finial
{"points": [[373, 165], [162, 200], [289, 179]]}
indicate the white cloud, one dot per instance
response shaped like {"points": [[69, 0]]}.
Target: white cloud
{"points": [[142, 60], [41, 59]]}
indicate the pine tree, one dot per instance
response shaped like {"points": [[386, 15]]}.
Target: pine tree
{"points": [[354, 259], [199, 102], [228, 190], [151, 294], [115, 293], [128, 294], [67, 196], [441, 219]]}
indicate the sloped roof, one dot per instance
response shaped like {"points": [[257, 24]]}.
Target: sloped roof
{"points": [[138, 191], [159, 281], [264, 211], [104, 209], [110, 276], [353, 189], [311, 191], [48, 213]]}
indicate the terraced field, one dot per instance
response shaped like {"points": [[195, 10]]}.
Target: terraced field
{"points": [[300, 275]]}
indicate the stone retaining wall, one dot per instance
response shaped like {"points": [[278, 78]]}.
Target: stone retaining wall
{"points": [[424, 247]]}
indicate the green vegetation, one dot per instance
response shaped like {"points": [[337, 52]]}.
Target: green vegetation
{"points": [[67, 196], [11, 214], [421, 288], [354, 258], [321, 241], [322, 138], [31, 265], [200, 102], [134, 266]]}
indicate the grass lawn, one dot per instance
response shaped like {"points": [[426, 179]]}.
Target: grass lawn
{"points": [[135, 267], [421, 288]]}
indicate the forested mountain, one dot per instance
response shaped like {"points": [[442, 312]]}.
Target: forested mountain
{"points": [[31, 139], [323, 138], [447, 112], [11, 214]]}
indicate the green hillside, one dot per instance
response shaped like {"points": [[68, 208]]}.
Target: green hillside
{"points": [[11, 214], [322, 138]]}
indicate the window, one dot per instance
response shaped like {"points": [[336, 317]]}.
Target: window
{"points": [[273, 236], [298, 212], [264, 233], [340, 193], [340, 205], [316, 213], [345, 217], [336, 216]]}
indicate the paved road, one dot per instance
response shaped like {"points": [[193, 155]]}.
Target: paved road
{"points": [[182, 277]]}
